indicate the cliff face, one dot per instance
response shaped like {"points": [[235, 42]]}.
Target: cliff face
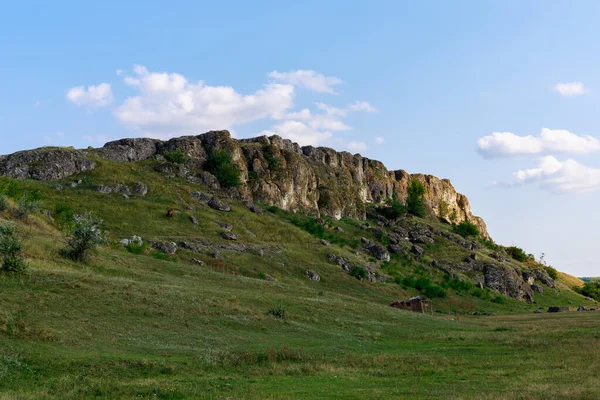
{"points": [[273, 170]]}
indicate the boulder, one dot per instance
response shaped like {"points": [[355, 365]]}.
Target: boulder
{"points": [[542, 276], [225, 225], [254, 208], [312, 275], [325, 243], [537, 288], [200, 196], [209, 180], [218, 205], [229, 236], [417, 250], [377, 251], [506, 281], [140, 189], [45, 164], [166, 247], [194, 220]]}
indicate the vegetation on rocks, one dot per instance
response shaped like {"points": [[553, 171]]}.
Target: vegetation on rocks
{"points": [[415, 200], [466, 229], [220, 164]]}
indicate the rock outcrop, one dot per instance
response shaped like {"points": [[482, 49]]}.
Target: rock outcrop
{"points": [[276, 171]]}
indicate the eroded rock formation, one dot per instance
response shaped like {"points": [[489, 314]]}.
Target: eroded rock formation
{"points": [[315, 180]]}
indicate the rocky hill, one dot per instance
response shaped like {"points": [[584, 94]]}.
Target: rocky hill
{"points": [[275, 171]]}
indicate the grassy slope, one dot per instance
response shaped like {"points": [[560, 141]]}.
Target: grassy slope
{"points": [[128, 326]]}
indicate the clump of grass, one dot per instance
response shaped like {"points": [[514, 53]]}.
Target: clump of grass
{"points": [[176, 157], [277, 311]]}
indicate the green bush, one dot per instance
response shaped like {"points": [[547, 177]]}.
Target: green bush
{"points": [[220, 164], [10, 248], [488, 243], [359, 272], [3, 203], [64, 215], [310, 225], [394, 209], [277, 311], [176, 157], [591, 289], [517, 253], [85, 235], [466, 228], [27, 205], [134, 248], [552, 272], [415, 200], [498, 300], [11, 187]]}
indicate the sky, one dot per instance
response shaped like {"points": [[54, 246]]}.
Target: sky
{"points": [[498, 96]]}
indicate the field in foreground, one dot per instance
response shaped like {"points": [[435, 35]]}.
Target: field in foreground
{"points": [[127, 325]]}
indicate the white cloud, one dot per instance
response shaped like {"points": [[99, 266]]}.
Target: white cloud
{"points": [[94, 96], [506, 144], [571, 88], [379, 140], [299, 132], [169, 105], [357, 146], [560, 176], [308, 79]]}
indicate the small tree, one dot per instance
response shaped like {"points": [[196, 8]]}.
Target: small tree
{"points": [[84, 236], [10, 248], [221, 165], [415, 201]]}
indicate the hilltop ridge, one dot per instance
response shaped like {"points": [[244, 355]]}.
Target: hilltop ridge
{"points": [[275, 171]]}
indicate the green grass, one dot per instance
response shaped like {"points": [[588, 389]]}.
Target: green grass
{"points": [[131, 324]]}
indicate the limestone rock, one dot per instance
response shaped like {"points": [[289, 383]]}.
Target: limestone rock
{"points": [[167, 247], [312, 275], [218, 205], [140, 189]]}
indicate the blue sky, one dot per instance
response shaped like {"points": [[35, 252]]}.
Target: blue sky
{"points": [[422, 86]]}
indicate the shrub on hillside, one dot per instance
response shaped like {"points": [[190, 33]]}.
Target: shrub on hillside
{"points": [[176, 157], [277, 311], [27, 205], [552, 272], [64, 215], [3, 203], [415, 200], [517, 253], [466, 228], [220, 164], [359, 272], [591, 289], [10, 248], [84, 236], [394, 209]]}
